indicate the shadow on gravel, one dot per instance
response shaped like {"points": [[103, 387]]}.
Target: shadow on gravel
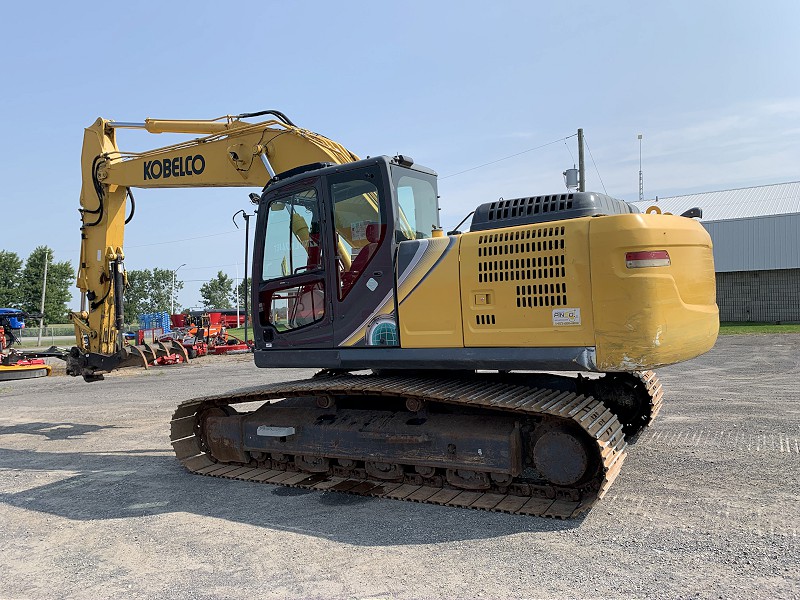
{"points": [[54, 431], [131, 484]]}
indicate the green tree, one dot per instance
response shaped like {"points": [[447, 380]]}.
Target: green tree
{"points": [[137, 294], [240, 292], [10, 272], [150, 291], [218, 293], [60, 278]]}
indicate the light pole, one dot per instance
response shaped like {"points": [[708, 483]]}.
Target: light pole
{"points": [[236, 291], [44, 287], [641, 179], [172, 296], [246, 258]]}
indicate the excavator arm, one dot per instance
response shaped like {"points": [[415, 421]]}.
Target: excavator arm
{"points": [[231, 153]]}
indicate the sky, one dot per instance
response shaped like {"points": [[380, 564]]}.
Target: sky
{"points": [[470, 89]]}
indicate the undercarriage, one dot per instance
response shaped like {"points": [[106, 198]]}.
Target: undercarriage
{"points": [[534, 444]]}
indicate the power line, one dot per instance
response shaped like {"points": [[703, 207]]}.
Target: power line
{"points": [[212, 267], [509, 156], [194, 280], [200, 237], [595, 165], [570, 151]]}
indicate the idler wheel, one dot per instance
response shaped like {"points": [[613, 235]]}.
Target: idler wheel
{"points": [[561, 456], [200, 429]]}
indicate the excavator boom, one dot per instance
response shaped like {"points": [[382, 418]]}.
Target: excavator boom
{"points": [[230, 153]]}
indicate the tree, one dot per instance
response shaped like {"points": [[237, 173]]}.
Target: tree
{"points": [[10, 272], [60, 278], [150, 291], [240, 292], [218, 293], [161, 291], [137, 294]]}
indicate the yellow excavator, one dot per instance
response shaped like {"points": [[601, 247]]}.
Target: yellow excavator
{"points": [[503, 368]]}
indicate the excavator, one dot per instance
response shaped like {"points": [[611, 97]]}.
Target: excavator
{"points": [[504, 368]]}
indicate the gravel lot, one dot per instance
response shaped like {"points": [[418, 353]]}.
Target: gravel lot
{"points": [[94, 505]]}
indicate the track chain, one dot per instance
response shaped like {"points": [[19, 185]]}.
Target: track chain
{"points": [[590, 414]]}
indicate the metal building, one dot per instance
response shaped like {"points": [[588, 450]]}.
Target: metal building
{"points": [[756, 235]]}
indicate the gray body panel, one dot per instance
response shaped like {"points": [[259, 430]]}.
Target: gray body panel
{"points": [[533, 359]]}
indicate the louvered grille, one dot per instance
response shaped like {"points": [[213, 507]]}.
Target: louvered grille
{"points": [[532, 258], [485, 319], [518, 207]]}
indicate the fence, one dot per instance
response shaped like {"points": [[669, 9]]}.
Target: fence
{"points": [[48, 331], [54, 335]]}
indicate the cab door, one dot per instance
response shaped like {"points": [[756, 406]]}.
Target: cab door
{"points": [[362, 280], [293, 295]]}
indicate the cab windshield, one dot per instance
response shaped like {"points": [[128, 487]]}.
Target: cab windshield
{"points": [[417, 206]]}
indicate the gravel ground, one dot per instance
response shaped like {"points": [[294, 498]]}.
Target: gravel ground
{"points": [[94, 505]]}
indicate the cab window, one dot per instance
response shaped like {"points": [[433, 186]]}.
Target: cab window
{"points": [[416, 207], [292, 244], [360, 227]]}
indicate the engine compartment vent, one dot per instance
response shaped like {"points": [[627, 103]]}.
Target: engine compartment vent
{"points": [[541, 209], [534, 259]]}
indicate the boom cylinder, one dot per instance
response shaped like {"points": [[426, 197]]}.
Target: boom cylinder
{"points": [[118, 273]]}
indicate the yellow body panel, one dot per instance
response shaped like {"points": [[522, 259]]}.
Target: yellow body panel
{"points": [[654, 316], [429, 306], [566, 284], [513, 279]]}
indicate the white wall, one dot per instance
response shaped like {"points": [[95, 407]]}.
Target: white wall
{"points": [[756, 243]]}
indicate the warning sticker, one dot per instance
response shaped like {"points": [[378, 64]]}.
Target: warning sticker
{"points": [[359, 230], [566, 316]]}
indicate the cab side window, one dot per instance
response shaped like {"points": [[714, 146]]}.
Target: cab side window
{"points": [[360, 228]]}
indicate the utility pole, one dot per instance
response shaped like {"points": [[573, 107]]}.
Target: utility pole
{"points": [[172, 295], [581, 165], [246, 259], [236, 292], [641, 179], [44, 287]]}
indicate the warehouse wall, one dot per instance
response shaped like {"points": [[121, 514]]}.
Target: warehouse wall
{"points": [[756, 243], [759, 296]]}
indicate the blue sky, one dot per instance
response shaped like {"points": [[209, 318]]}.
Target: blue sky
{"points": [[712, 86]]}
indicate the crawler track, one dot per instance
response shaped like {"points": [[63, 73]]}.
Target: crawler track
{"points": [[655, 394], [519, 497]]}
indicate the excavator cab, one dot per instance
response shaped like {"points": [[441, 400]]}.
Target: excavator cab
{"points": [[325, 250]]}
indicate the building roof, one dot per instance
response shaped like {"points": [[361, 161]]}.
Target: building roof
{"points": [[761, 201]]}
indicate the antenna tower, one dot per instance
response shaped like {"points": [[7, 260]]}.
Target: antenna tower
{"points": [[641, 179]]}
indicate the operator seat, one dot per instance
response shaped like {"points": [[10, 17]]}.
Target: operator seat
{"points": [[374, 234]]}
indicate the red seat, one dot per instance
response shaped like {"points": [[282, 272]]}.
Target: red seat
{"points": [[314, 252], [374, 234]]}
